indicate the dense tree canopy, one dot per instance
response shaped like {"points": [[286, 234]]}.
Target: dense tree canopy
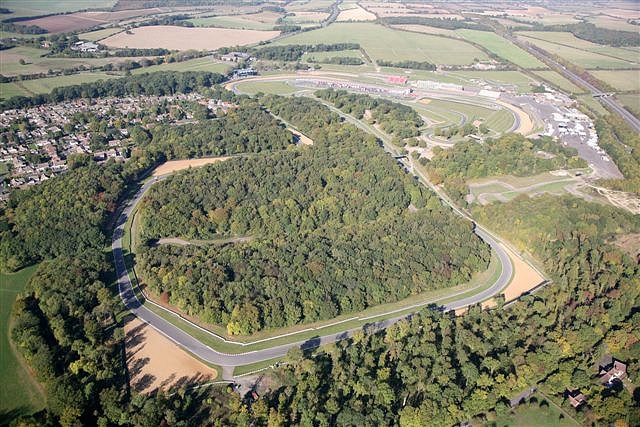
{"points": [[396, 119], [332, 228]]}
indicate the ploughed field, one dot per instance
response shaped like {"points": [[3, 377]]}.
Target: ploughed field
{"points": [[335, 228]]}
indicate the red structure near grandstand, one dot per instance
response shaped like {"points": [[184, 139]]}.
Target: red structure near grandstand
{"points": [[397, 80]]}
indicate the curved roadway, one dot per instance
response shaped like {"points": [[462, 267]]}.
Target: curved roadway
{"points": [[208, 354]]}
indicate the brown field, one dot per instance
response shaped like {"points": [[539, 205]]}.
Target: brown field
{"points": [[623, 13], [156, 362], [525, 278], [356, 14], [182, 38], [177, 165], [84, 20]]}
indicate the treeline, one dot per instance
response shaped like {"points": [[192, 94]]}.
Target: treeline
{"points": [[398, 120], [341, 60], [333, 229], [511, 154], [166, 83], [623, 145], [287, 28], [415, 65], [294, 52], [448, 24], [10, 27], [591, 32]]}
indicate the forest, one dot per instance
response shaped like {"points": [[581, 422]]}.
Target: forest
{"points": [[590, 32], [359, 232], [511, 154], [166, 83], [398, 120]]}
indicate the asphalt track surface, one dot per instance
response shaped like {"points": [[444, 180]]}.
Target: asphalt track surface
{"points": [[209, 355]]}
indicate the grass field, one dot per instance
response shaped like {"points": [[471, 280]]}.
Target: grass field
{"points": [[206, 63], [32, 87], [99, 34], [611, 23], [392, 45], [569, 40], [426, 29], [631, 102], [246, 22], [19, 393], [583, 58], [593, 104], [532, 415], [501, 47], [620, 79], [499, 121], [319, 56], [558, 80], [36, 63], [278, 88], [522, 81], [21, 8]]}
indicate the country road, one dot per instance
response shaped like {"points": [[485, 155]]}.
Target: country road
{"points": [[210, 355]]}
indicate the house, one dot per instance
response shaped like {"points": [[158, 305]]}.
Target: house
{"points": [[611, 370], [576, 398]]}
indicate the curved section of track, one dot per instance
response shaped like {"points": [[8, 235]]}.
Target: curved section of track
{"points": [[210, 355]]}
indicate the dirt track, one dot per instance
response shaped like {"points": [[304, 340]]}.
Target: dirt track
{"points": [[178, 165], [155, 362]]}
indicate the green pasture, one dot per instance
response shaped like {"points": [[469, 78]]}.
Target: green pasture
{"points": [[520, 80], [99, 34], [206, 63], [392, 45], [46, 85], [500, 121], [501, 47], [19, 393], [232, 21], [631, 102], [253, 87], [620, 79], [612, 23], [582, 58], [569, 40], [535, 415], [558, 80], [22, 8]]}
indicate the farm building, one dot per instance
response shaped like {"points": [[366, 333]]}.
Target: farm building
{"points": [[235, 56], [85, 47]]}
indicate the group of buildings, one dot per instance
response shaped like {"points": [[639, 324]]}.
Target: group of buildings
{"points": [[36, 142]]}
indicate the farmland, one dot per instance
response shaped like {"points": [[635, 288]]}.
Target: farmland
{"points": [[631, 102], [170, 37], [46, 85], [99, 34], [206, 63], [582, 58], [19, 391], [392, 45], [356, 14], [501, 47], [254, 21], [620, 79], [85, 20], [21, 8]]}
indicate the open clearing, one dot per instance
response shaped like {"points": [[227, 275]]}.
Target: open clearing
{"points": [[156, 362], [19, 391], [392, 45], [620, 79], [302, 138], [502, 47], [178, 165], [206, 63], [356, 14], [173, 37], [536, 415]]}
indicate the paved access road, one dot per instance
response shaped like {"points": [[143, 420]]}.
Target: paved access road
{"points": [[210, 355]]}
